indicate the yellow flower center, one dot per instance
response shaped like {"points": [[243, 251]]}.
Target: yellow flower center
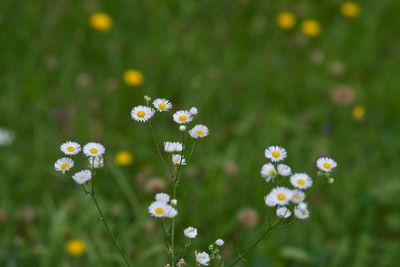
{"points": [[70, 149], [64, 166], [327, 165], [141, 114], [100, 21], [200, 132], [301, 182], [183, 118], [276, 154], [281, 196], [296, 197], [159, 211], [94, 150], [286, 20], [75, 247], [162, 106], [311, 28]]}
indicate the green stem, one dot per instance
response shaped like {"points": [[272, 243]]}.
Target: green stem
{"points": [[158, 148]]}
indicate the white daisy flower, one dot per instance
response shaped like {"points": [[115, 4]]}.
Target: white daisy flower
{"points": [[268, 172], [281, 195], [199, 131], [142, 113], [163, 197], [275, 153], [202, 258], [178, 159], [64, 164], [219, 242], [159, 209], [284, 170], [182, 117], [96, 162], [6, 137], [283, 212], [326, 164], [270, 200], [193, 111], [298, 196], [82, 176], [301, 211], [173, 147], [190, 232], [70, 148], [93, 149], [301, 180], [162, 104]]}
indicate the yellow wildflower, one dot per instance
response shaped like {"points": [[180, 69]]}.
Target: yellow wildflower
{"points": [[75, 247], [311, 28], [100, 21], [286, 20], [133, 77], [350, 9], [123, 158], [358, 112]]}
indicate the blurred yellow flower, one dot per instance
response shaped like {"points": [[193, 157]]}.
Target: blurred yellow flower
{"points": [[350, 9], [75, 247], [133, 77], [311, 28], [286, 20], [123, 158], [100, 21], [358, 112]]}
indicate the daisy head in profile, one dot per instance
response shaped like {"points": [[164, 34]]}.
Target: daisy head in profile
{"points": [[301, 180], [93, 149], [70, 148], [64, 164], [281, 195], [190, 232], [275, 153], [326, 164], [284, 170], [172, 147], [268, 172], [283, 212], [199, 131], [202, 258], [178, 159], [82, 176], [301, 211], [162, 104], [142, 113], [182, 117]]}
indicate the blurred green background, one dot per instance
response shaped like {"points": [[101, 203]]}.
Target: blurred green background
{"points": [[258, 78]]}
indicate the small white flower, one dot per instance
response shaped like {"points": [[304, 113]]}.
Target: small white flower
{"points": [[281, 195], [326, 164], [298, 196], [162, 104], [96, 162], [301, 180], [268, 172], [275, 153], [284, 170], [93, 149], [193, 111], [6, 137], [270, 200], [202, 258], [70, 148], [178, 159], [301, 212], [190, 232], [163, 197], [64, 164], [142, 113], [283, 212], [159, 209], [199, 131], [182, 117], [182, 128], [171, 212], [219, 242], [82, 176], [173, 147]]}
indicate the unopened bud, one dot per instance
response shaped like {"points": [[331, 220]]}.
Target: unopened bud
{"points": [[174, 202], [182, 128]]}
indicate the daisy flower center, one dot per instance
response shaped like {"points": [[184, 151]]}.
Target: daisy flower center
{"points": [[281, 196], [200, 132], [141, 114], [70, 149], [276, 154], [64, 166], [301, 182], [182, 118], [94, 150], [159, 211], [162, 106], [327, 165], [296, 197]]}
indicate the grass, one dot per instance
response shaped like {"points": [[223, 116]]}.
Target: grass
{"points": [[254, 84]]}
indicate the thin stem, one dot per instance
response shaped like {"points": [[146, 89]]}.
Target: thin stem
{"points": [[158, 148], [193, 149], [108, 229]]}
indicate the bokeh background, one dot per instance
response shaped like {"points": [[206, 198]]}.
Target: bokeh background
{"points": [[317, 77]]}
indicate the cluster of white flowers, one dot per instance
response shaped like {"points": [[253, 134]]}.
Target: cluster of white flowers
{"points": [[162, 207], [94, 153], [288, 201]]}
